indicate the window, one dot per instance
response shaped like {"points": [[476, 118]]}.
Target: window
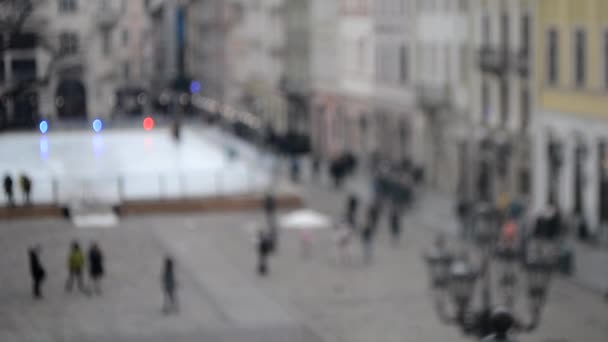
{"points": [[505, 31], [579, 57], [504, 102], [605, 59], [525, 109], [23, 70], [106, 43], [125, 37], [485, 29], [403, 64], [126, 69], [68, 43], [552, 57], [68, 6], [525, 34], [464, 60], [485, 102]]}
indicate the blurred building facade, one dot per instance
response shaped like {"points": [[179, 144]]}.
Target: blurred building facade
{"points": [[348, 122], [23, 60], [502, 92], [442, 80], [296, 85], [571, 126], [324, 73], [77, 58], [257, 41], [395, 114], [209, 24]]}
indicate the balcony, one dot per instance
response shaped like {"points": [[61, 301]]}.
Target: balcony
{"points": [[107, 17], [433, 98], [492, 60], [70, 64], [520, 63]]}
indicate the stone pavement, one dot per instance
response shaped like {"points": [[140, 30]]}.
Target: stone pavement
{"points": [[306, 299]]}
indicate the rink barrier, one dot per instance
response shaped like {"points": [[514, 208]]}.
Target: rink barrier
{"points": [[210, 204]]}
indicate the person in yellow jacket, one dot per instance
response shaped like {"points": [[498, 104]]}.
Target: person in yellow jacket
{"points": [[75, 268]]}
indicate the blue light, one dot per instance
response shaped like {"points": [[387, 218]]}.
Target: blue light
{"points": [[44, 126], [97, 125], [195, 87]]}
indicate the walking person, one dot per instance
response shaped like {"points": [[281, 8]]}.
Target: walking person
{"points": [[169, 285], [96, 269], [367, 236], [8, 189], [343, 237], [315, 166], [263, 248], [26, 188], [37, 271], [395, 224], [75, 268], [351, 210]]}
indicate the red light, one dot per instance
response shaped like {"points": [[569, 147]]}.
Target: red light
{"points": [[148, 123]]}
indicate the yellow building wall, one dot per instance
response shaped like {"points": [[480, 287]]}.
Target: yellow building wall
{"points": [[568, 15]]}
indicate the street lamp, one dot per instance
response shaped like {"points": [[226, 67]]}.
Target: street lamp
{"points": [[455, 278]]}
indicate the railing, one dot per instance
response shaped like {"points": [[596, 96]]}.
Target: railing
{"points": [[147, 186], [492, 60]]}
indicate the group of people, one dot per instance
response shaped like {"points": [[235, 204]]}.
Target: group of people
{"points": [[369, 227], [25, 184], [93, 261], [76, 264]]}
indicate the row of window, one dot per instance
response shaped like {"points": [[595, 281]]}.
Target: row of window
{"points": [[579, 57], [505, 38], [71, 6], [391, 58], [69, 43], [525, 103]]}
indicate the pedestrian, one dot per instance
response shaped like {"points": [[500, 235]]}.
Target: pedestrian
{"points": [[26, 188], [316, 166], [8, 189], [351, 210], [295, 170], [263, 249], [96, 269], [37, 271], [373, 213], [343, 238], [169, 284], [75, 267], [367, 235], [464, 213], [395, 224]]}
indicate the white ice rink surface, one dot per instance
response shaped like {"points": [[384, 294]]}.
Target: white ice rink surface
{"points": [[84, 166]]}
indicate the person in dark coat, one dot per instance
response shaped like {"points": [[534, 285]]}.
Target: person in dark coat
{"points": [[373, 213], [264, 248], [8, 189], [367, 236], [26, 187], [169, 286], [37, 271], [96, 269], [351, 210], [316, 166], [395, 224]]}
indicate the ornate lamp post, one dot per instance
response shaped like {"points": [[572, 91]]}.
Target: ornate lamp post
{"points": [[454, 283]]}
